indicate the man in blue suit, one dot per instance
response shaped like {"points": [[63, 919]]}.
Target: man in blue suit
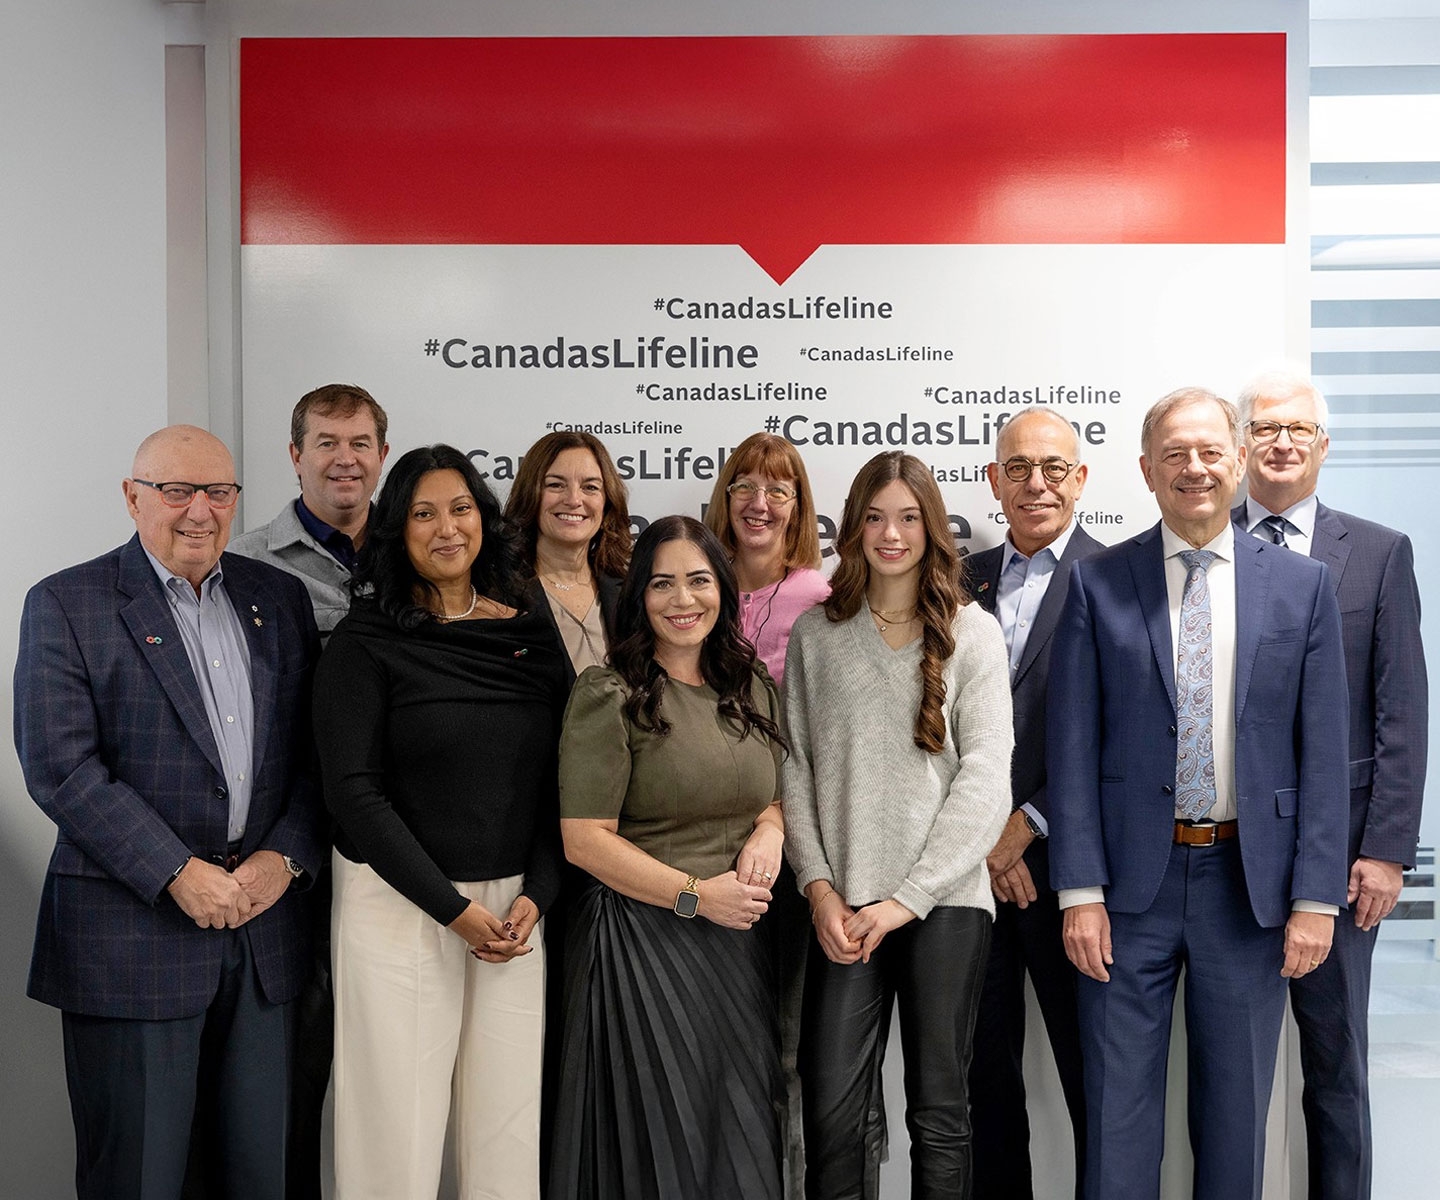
{"points": [[1372, 570], [1038, 477], [1197, 807], [161, 720]]}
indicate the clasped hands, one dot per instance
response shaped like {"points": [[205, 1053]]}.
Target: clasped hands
{"points": [[215, 898], [848, 934], [495, 939]]}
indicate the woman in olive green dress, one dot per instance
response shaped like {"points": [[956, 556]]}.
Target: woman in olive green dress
{"points": [[670, 1074]]}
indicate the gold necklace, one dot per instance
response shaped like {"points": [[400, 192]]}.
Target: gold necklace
{"points": [[565, 587], [884, 622]]}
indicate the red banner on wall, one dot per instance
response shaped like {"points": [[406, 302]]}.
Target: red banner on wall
{"points": [[776, 144]]}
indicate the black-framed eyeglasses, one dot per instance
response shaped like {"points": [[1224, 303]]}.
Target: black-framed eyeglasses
{"points": [[1055, 470], [178, 495], [1302, 433], [745, 491]]}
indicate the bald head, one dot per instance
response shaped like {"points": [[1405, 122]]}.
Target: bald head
{"points": [[187, 538], [1015, 427], [165, 444]]}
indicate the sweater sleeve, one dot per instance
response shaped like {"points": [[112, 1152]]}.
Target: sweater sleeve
{"points": [[803, 845], [978, 802], [350, 719]]}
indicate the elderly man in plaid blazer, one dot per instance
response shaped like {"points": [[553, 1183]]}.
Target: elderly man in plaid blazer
{"points": [[161, 719]]}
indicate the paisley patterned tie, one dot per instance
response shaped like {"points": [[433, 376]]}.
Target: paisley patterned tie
{"points": [[1194, 692]]}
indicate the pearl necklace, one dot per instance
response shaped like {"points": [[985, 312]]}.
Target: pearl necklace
{"points": [[442, 615]]}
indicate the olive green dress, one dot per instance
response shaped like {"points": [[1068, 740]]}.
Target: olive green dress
{"points": [[670, 1075]]}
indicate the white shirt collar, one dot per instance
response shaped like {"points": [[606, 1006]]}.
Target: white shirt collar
{"points": [[1301, 515], [1223, 543]]}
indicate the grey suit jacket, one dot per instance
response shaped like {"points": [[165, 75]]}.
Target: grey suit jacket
{"points": [[287, 544]]}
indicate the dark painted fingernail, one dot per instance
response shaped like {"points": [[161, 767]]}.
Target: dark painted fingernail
{"points": [[514, 937]]}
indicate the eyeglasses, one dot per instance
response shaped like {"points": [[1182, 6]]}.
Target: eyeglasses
{"points": [[1055, 470], [745, 491], [1209, 455], [178, 495], [1302, 433]]}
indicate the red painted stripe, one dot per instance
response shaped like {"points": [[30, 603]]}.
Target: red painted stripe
{"points": [[778, 145]]}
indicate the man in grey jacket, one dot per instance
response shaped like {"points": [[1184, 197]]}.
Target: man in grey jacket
{"points": [[337, 444]]}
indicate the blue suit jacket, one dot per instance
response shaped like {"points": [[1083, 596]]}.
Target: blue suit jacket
{"points": [[1029, 684], [1372, 569], [1112, 739], [116, 749]]}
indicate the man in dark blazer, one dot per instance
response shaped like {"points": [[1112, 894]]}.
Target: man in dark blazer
{"points": [[1372, 571], [161, 720], [1037, 478], [1197, 807]]}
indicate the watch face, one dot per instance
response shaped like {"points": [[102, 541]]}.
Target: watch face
{"points": [[687, 904]]}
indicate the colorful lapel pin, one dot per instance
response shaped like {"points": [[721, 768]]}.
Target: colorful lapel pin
{"points": [[155, 641]]}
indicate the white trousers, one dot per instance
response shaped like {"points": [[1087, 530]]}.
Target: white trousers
{"points": [[423, 1033]]}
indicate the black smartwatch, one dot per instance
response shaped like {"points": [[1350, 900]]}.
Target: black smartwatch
{"points": [[1032, 825], [687, 902]]}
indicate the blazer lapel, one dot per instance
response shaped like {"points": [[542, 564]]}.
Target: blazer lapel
{"points": [[1047, 616], [1147, 568], [147, 616], [1330, 544], [1252, 595], [253, 606], [984, 571]]}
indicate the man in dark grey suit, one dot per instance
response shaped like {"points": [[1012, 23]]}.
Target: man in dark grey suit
{"points": [[1372, 570], [162, 722], [1037, 478]]}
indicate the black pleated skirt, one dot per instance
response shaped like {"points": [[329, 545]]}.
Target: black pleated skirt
{"points": [[670, 1083]]}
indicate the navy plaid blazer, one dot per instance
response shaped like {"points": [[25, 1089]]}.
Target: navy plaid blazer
{"points": [[117, 750]]}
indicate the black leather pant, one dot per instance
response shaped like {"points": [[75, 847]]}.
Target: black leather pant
{"points": [[934, 968]]}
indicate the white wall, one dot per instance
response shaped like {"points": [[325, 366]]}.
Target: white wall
{"points": [[82, 380]]}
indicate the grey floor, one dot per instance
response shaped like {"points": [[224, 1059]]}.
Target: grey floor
{"points": [[1404, 1075], [1405, 1044]]}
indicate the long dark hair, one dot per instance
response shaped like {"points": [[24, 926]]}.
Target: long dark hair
{"points": [[609, 551], [727, 660], [940, 595], [386, 576]]}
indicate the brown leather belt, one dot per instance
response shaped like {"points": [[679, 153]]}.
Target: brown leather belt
{"points": [[1205, 835]]}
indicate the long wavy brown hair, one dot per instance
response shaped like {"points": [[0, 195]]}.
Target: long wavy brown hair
{"points": [[940, 592], [610, 548]]}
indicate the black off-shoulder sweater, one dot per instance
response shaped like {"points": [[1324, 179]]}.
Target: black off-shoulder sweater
{"points": [[438, 752]]}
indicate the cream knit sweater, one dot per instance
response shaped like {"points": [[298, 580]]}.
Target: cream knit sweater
{"points": [[865, 807]]}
